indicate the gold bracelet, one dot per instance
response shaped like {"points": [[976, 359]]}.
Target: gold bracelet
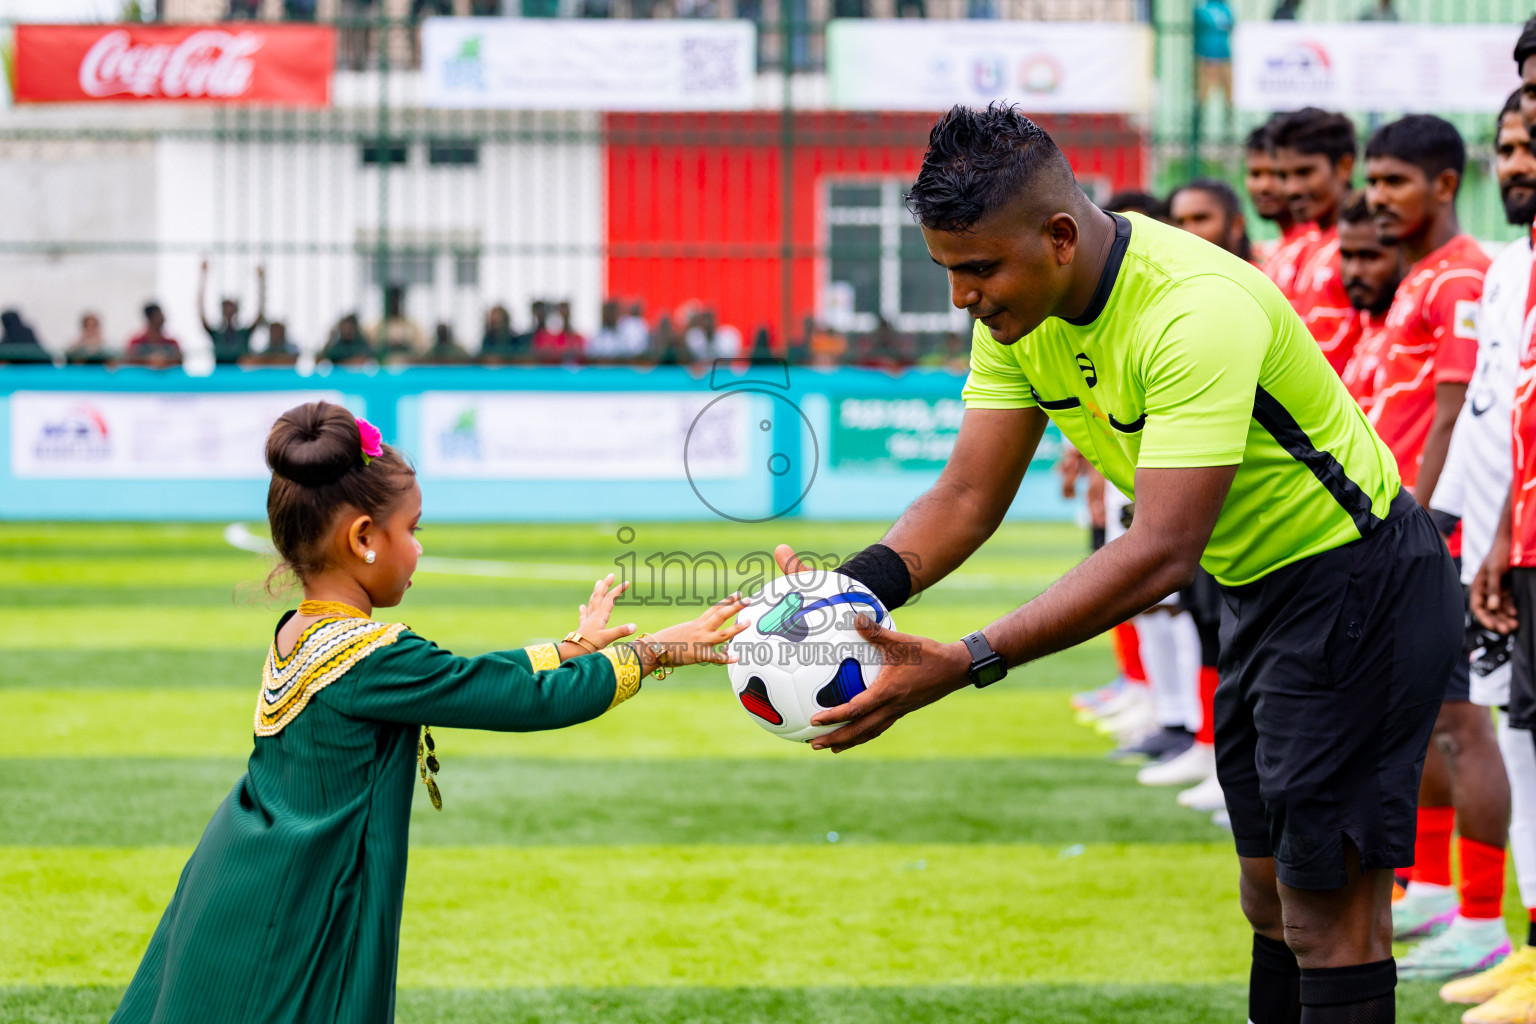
{"points": [[575, 637], [659, 651]]}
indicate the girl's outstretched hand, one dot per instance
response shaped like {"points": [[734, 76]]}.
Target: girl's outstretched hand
{"points": [[593, 621], [702, 640]]}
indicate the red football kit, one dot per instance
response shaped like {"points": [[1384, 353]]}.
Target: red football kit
{"points": [[1284, 264], [1364, 366], [1431, 339], [1522, 485], [1322, 302]]}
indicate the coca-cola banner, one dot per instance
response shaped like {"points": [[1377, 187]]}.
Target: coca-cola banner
{"points": [[244, 63]]}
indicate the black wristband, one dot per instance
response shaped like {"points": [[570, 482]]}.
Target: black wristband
{"points": [[883, 572]]}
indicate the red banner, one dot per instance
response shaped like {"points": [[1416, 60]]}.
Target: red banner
{"points": [[239, 63]]}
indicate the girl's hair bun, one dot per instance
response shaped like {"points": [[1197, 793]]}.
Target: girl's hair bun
{"points": [[314, 444]]}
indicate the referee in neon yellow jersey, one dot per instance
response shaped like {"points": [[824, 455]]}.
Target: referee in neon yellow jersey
{"points": [[1183, 374]]}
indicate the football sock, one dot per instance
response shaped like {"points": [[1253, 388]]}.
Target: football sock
{"points": [[1128, 649], [1530, 933], [1207, 733], [1482, 878], [1432, 845], [1273, 984], [1360, 994]]}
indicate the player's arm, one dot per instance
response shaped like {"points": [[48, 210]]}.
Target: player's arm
{"points": [[1491, 600], [1449, 396]]}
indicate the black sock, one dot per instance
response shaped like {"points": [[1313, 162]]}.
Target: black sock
{"points": [[1360, 994], [1530, 934], [1274, 984]]}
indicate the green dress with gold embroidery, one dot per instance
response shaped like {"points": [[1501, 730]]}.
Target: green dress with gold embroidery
{"points": [[289, 909]]}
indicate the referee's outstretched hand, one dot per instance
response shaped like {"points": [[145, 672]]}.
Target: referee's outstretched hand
{"points": [[917, 672]]}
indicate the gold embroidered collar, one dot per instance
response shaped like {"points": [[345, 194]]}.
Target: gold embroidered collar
{"points": [[325, 652]]}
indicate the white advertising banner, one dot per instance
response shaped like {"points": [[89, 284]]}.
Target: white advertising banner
{"points": [[579, 64], [1045, 67], [87, 435], [546, 435], [1382, 66]]}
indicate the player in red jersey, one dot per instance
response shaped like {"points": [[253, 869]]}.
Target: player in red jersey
{"points": [[1414, 168], [1315, 158], [1372, 270], [1280, 260]]}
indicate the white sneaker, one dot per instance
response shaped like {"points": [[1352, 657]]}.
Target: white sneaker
{"points": [[1205, 797], [1133, 722], [1130, 695], [1196, 764]]}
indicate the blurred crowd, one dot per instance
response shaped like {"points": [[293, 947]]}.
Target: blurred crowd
{"points": [[690, 335]]}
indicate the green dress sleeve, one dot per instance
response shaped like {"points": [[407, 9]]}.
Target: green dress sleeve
{"points": [[413, 681]]}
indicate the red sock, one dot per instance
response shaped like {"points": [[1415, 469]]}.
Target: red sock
{"points": [[1207, 733], [1432, 846], [1482, 878], [1128, 650]]}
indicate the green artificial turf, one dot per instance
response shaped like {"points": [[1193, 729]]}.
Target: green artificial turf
{"points": [[495, 801], [670, 863], [780, 915]]}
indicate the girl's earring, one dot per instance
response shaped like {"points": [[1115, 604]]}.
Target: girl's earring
{"points": [[369, 557]]}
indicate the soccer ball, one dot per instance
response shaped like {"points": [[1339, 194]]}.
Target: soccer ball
{"points": [[802, 654]]}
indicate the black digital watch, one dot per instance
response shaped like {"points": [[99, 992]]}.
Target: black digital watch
{"points": [[987, 666]]}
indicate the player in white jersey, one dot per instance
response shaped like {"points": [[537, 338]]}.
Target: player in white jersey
{"points": [[1472, 488]]}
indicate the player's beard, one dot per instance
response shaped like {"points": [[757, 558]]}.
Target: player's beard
{"points": [[1519, 210]]}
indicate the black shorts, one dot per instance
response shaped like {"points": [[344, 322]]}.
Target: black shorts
{"points": [[1522, 655], [1332, 672]]}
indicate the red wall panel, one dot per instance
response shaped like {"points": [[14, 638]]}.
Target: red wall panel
{"points": [[695, 201]]}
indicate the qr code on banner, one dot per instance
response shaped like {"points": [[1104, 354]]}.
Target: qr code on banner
{"points": [[710, 65]]}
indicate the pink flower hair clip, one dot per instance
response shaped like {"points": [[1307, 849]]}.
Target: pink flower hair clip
{"points": [[373, 441]]}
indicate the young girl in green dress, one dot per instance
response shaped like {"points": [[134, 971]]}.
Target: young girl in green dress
{"points": [[289, 910]]}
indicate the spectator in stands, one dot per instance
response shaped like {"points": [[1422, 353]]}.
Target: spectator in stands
{"points": [[397, 338], [557, 341], [699, 335], [828, 347], [667, 346], [1382, 10], [1138, 202], [1286, 10], [616, 341], [357, 19], [1213, 49], [347, 345], [952, 354], [279, 351], [18, 342], [498, 343], [420, 11], [634, 335], [90, 348], [1212, 210], [231, 342], [299, 10], [445, 350], [152, 347]]}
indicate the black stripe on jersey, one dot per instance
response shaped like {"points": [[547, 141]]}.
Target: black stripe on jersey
{"points": [[1055, 404], [1282, 426], [1128, 428]]}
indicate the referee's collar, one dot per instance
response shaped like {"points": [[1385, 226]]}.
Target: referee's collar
{"points": [[1107, 277]]}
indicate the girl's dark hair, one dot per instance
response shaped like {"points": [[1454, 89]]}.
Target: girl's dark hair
{"points": [[316, 455]]}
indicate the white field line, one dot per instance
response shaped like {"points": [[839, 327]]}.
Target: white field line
{"points": [[237, 535]]}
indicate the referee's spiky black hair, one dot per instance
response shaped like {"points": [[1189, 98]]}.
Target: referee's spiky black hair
{"points": [[979, 160], [1525, 46], [1430, 143]]}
